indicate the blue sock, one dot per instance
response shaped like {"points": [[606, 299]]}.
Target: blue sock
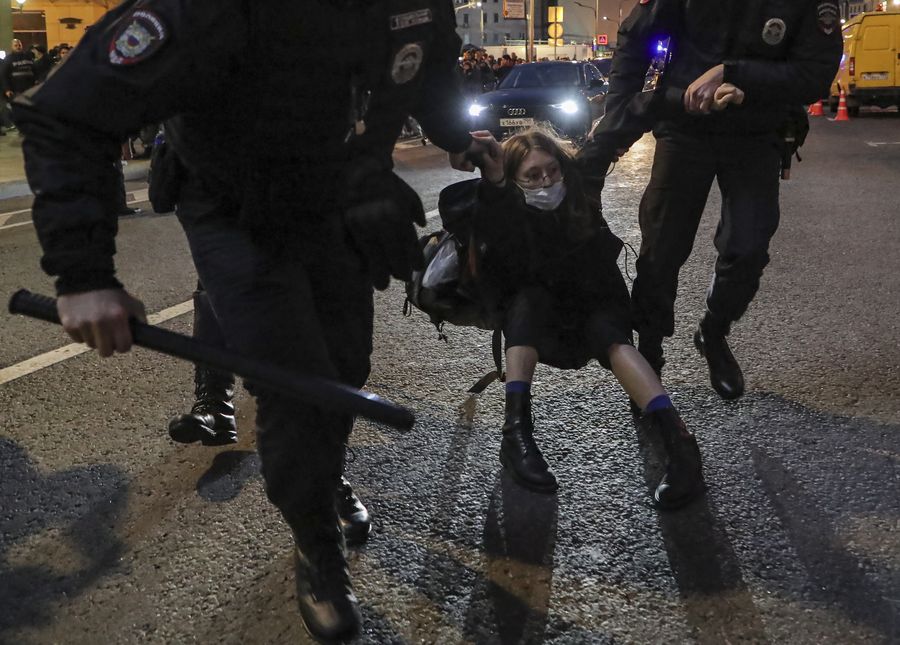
{"points": [[660, 402], [518, 386]]}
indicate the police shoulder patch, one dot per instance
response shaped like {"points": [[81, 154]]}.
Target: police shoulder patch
{"points": [[140, 35], [828, 16]]}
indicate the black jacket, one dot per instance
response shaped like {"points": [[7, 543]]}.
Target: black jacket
{"points": [[781, 54], [519, 246], [18, 72], [286, 123]]}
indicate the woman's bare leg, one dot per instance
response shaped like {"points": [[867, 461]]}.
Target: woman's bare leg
{"points": [[634, 373], [520, 363]]}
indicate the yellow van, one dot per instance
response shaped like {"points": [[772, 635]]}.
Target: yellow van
{"points": [[870, 66]]}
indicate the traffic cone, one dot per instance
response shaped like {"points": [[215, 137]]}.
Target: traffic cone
{"points": [[816, 109], [842, 114]]}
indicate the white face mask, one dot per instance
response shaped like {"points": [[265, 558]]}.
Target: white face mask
{"points": [[545, 198]]}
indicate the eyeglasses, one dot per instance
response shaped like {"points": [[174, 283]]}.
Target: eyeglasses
{"points": [[536, 177]]}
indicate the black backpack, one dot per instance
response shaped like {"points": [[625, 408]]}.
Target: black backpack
{"points": [[452, 297]]}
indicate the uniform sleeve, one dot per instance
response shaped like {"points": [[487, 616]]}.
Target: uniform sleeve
{"points": [[806, 75], [629, 111], [441, 108], [140, 64]]}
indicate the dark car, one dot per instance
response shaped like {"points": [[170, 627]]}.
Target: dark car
{"points": [[604, 65], [568, 94]]}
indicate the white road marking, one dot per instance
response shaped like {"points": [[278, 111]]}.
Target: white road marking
{"points": [[5, 217], [138, 196], [55, 356], [875, 144], [8, 226]]}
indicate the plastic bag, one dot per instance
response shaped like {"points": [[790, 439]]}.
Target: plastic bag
{"points": [[444, 267]]}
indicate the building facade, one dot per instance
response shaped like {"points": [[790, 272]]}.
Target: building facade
{"points": [[482, 23], [49, 22]]}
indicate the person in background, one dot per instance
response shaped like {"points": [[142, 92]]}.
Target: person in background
{"points": [[16, 76], [42, 63]]}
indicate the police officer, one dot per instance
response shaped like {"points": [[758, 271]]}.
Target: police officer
{"points": [[738, 72], [211, 420], [18, 70], [291, 209]]}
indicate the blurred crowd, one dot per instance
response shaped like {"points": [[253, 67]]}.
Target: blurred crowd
{"points": [[481, 72], [23, 68]]}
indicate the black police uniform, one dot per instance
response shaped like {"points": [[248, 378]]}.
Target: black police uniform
{"points": [[782, 55], [273, 160], [18, 72]]}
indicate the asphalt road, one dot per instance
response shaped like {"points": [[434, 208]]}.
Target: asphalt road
{"points": [[109, 532]]}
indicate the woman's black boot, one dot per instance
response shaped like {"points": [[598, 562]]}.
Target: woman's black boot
{"points": [[683, 481], [518, 452]]}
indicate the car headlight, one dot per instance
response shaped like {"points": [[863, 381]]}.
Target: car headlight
{"points": [[569, 107], [475, 109]]}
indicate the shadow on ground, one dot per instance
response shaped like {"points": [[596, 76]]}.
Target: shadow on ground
{"points": [[73, 515]]}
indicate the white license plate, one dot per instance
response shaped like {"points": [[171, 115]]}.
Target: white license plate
{"points": [[515, 123], [875, 76]]}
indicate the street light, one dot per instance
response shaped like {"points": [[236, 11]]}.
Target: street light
{"points": [[473, 4], [596, 22]]}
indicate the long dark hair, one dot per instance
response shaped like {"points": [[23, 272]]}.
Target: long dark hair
{"points": [[578, 217]]}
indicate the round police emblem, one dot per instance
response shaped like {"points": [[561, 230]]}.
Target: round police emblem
{"points": [[141, 34], [407, 63], [773, 31]]}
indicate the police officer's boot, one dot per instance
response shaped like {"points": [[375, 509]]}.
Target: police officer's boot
{"points": [[683, 481], [650, 347], [353, 516], [211, 419], [724, 372], [518, 452], [325, 596]]}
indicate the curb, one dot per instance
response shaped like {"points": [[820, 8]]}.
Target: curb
{"points": [[134, 171]]}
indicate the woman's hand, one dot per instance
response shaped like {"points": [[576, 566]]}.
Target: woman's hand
{"points": [[492, 159]]}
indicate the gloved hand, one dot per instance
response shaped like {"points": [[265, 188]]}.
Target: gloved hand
{"points": [[379, 216]]}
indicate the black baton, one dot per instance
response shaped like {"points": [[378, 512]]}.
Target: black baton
{"points": [[317, 391]]}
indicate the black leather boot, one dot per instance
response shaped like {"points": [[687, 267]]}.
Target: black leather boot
{"points": [[724, 372], [518, 452], [211, 419], [352, 515], [325, 596], [683, 481]]}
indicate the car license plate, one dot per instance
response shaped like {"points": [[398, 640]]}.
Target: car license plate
{"points": [[516, 123], [875, 76]]}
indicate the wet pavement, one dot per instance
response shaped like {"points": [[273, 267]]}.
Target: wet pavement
{"points": [[111, 533]]}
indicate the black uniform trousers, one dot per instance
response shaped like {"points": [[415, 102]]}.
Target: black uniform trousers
{"points": [[308, 309], [746, 167]]}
